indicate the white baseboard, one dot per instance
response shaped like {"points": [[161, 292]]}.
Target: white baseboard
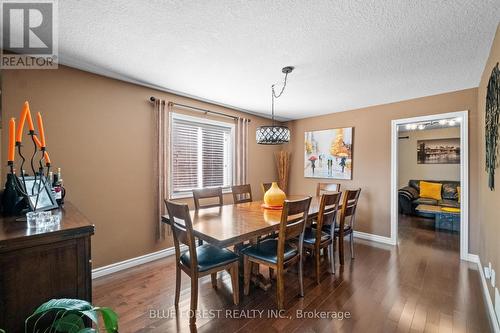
{"points": [[129, 263], [489, 303], [373, 238], [472, 258]]}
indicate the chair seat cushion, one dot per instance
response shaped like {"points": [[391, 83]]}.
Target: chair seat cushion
{"points": [[267, 250], [328, 228], [425, 201], [347, 230], [209, 257], [449, 203], [310, 236]]}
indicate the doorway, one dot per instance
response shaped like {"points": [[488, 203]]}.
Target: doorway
{"points": [[433, 153]]}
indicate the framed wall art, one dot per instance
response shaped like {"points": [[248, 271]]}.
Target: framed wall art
{"points": [[328, 153]]}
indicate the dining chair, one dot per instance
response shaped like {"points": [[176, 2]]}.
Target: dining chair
{"points": [[207, 193], [198, 261], [322, 188], [345, 227], [315, 239], [265, 187], [210, 193], [242, 193], [278, 253]]}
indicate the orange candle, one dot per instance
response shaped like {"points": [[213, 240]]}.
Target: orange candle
{"points": [[40, 128], [47, 158], [37, 141], [30, 121], [19, 136], [12, 139]]}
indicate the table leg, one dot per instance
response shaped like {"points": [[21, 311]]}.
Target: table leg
{"points": [[258, 279]]}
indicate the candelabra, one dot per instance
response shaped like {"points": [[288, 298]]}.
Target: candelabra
{"points": [[39, 183]]}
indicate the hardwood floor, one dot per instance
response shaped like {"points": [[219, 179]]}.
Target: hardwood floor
{"points": [[419, 286]]}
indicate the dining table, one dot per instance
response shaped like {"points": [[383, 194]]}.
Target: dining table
{"points": [[232, 224]]}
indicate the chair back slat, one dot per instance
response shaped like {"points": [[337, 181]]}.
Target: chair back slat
{"points": [[242, 193], [293, 221], [349, 205], [265, 187], [182, 229], [328, 209], [207, 193], [323, 188]]}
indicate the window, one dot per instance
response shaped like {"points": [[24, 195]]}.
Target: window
{"points": [[200, 154]]}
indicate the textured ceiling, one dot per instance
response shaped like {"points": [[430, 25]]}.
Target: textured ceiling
{"points": [[348, 54]]}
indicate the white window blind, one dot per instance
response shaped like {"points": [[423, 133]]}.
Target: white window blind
{"points": [[201, 154]]}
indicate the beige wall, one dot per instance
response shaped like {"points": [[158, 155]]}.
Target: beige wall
{"points": [[408, 168], [489, 250], [372, 153], [100, 131]]}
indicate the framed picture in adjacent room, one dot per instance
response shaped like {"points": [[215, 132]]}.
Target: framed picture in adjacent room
{"points": [[328, 153], [438, 151]]}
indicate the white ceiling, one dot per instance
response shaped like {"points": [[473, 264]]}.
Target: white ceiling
{"points": [[348, 54]]}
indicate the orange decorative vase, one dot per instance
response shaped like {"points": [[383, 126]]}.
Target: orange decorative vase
{"points": [[274, 197]]}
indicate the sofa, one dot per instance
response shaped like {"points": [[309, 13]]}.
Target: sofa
{"points": [[409, 196]]}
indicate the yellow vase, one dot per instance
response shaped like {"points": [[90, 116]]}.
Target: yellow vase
{"points": [[274, 196]]}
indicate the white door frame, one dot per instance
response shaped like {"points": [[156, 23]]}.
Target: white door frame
{"points": [[464, 175]]}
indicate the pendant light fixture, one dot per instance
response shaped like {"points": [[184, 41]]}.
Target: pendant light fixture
{"points": [[275, 134]]}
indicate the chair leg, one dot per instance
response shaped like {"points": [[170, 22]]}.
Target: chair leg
{"points": [[341, 250], [213, 277], [334, 249], [331, 258], [271, 273], [301, 275], [177, 284], [194, 298], [351, 240], [280, 288], [325, 254], [247, 270], [235, 283], [317, 263]]}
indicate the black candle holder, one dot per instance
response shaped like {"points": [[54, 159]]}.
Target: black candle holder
{"points": [[38, 185]]}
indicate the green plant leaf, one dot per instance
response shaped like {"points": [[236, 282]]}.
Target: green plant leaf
{"points": [[70, 323], [63, 304], [110, 319], [91, 314], [73, 310]]}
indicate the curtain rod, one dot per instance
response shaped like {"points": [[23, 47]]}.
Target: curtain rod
{"points": [[153, 99]]}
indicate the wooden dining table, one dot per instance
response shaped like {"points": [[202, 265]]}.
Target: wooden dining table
{"points": [[232, 224]]}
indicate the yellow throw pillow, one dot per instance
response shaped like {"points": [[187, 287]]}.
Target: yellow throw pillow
{"points": [[450, 209], [458, 192], [430, 190]]}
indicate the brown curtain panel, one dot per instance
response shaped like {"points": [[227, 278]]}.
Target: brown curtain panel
{"points": [[161, 191], [241, 151]]}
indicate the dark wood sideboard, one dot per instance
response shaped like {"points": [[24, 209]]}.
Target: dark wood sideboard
{"points": [[36, 266]]}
